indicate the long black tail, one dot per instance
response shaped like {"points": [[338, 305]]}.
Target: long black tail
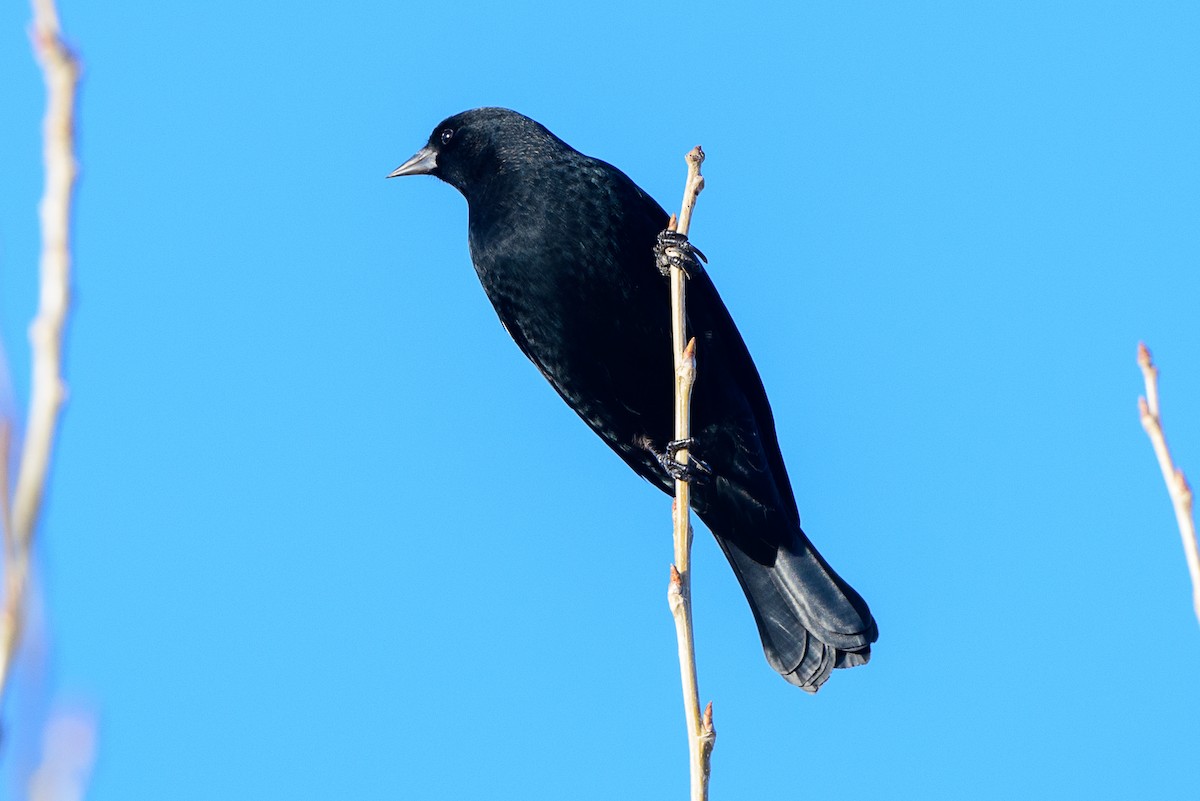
{"points": [[810, 620]]}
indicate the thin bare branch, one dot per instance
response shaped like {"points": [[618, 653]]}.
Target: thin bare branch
{"points": [[1177, 486], [701, 734], [10, 543], [68, 753], [60, 71]]}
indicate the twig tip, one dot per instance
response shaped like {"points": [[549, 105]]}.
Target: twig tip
{"points": [[689, 352]]}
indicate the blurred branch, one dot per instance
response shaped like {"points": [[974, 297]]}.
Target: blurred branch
{"points": [[1177, 486], [701, 735], [68, 752], [60, 70]]}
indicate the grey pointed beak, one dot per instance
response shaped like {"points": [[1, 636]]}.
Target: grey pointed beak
{"points": [[423, 162]]}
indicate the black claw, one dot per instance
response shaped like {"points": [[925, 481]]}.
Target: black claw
{"points": [[677, 445], [701, 472], [694, 471], [674, 250]]}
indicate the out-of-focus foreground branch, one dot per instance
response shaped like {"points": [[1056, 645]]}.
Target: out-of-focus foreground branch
{"points": [[60, 71], [1177, 486], [701, 734]]}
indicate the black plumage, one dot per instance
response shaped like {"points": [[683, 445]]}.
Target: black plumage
{"points": [[564, 246]]}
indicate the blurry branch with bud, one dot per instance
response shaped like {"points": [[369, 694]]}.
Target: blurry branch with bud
{"points": [[60, 70], [701, 734], [1177, 486]]}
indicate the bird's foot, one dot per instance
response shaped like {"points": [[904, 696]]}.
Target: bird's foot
{"points": [[674, 250], [694, 471]]}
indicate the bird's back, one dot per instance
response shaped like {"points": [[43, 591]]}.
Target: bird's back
{"points": [[564, 249]]}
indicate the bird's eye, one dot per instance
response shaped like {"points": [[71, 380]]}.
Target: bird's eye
{"points": [[447, 135]]}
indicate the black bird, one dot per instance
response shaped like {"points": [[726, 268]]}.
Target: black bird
{"points": [[564, 245]]}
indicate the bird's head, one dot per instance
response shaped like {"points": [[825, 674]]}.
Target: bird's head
{"points": [[467, 149]]}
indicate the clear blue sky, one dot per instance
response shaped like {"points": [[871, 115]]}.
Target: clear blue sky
{"points": [[318, 530]]}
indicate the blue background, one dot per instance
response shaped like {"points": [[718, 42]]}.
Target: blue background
{"points": [[318, 530]]}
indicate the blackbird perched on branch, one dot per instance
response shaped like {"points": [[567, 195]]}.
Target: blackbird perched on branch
{"points": [[564, 245]]}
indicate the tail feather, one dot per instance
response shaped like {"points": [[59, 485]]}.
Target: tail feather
{"points": [[810, 620]]}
